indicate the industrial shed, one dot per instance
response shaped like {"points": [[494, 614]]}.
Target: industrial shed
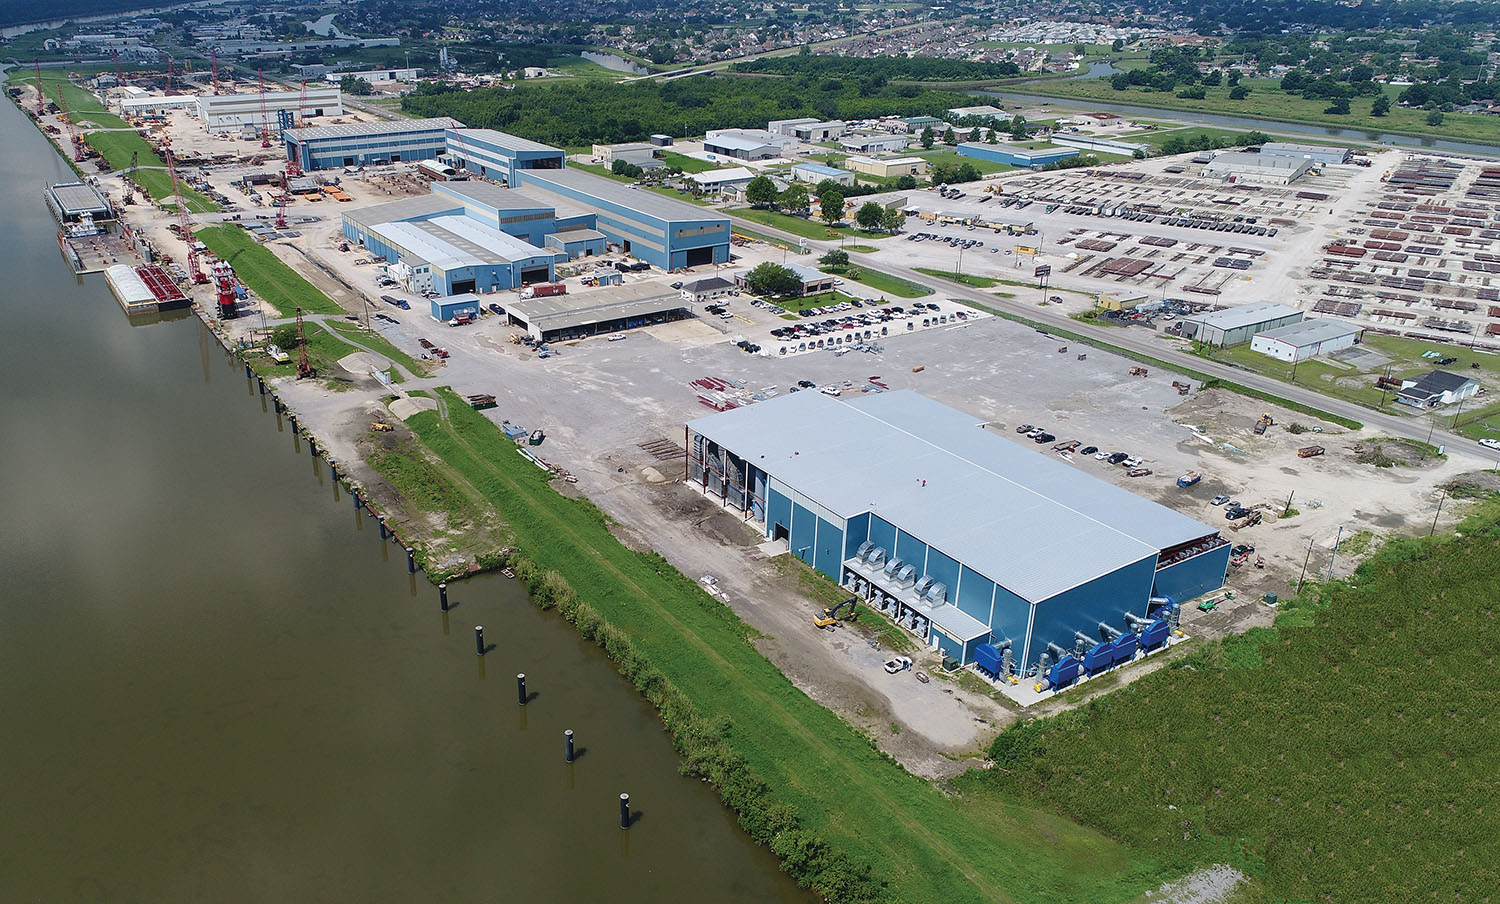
{"points": [[962, 536], [227, 112], [608, 310], [1267, 169], [1015, 156], [1235, 326], [1317, 153], [1305, 339]]}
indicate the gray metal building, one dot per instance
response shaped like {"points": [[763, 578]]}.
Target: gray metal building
{"points": [[1235, 326]]}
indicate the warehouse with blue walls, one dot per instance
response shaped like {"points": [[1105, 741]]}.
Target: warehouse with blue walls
{"points": [[964, 537]]}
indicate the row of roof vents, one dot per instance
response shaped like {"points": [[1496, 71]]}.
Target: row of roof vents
{"points": [[902, 574]]}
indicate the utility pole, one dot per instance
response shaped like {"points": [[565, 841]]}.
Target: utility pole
{"points": [[1439, 511], [1305, 560], [1334, 560], [1288, 503]]}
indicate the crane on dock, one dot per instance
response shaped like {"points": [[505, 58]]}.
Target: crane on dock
{"points": [[265, 116], [75, 141], [304, 366], [214, 57], [41, 96], [184, 220]]}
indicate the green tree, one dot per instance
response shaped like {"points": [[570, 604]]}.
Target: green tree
{"points": [[892, 220], [626, 168], [1118, 45], [831, 205], [794, 198], [905, 182], [836, 258], [1018, 128], [948, 136], [1234, 79], [1434, 118], [994, 137], [1239, 92], [773, 279], [285, 338], [1214, 78], [353, 84], [1338, 107], [869, 215], [927, 137], [761, 191], [1381, 106]]}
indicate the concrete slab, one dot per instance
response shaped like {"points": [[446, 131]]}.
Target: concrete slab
{"points": [[405, 408]]}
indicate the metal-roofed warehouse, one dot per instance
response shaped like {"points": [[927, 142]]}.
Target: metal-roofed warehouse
{"points": [[367, 143], [963, 536], [607, 310], [1233, 326]]}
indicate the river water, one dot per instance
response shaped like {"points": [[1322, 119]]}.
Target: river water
{"points": [[615, 62], [218, 684]]}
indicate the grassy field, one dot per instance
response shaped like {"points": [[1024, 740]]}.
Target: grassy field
{"points": [[1267, 101], [952, 158], [1342, 747], [264, 273], [883, 283], [968, 279], [685, 163], [379, 344], [117, 148], [927, 845], [1354, 384], [324, 350], [807, 228]]}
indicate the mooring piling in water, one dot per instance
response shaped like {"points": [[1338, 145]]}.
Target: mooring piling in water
{"points": [[624, 811], [479, 639], [568, 746], [411, 561], [443, 596], [384, 531], [521, 688]]}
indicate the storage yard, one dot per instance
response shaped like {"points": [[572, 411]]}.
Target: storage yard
{"points": [[590, 345]]}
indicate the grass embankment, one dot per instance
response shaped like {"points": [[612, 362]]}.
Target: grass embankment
{"points": [[953, 158], [324, 350], [1208, 381], [810, 229], [968, 279], [1352, 747], [265, 274], [883, 283], [379, 344], [833, 793], [1355, 382], [1267, 101], [687, 164]]}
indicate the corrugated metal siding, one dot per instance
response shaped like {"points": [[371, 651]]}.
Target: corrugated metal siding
{"points": [[1193, 577]]}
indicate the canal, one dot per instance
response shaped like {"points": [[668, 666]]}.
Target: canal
{"points": [[219, 684]]}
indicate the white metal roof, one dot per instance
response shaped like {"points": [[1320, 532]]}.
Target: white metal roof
{"points": [[128, 284], [736, 143], [1028, 521], [356, 129], [495, 243], [1244, 315], [1310, 332], [432, 249], [723, 176]]}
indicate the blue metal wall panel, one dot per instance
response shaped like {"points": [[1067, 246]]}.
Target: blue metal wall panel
{"points": [[828, 551], [757, 479], [1194, 577], [974, 595], [856, 531], [779, 512], [911, 550], [942, 568], [804, 533], [883, 534], [948, 645], [1012, 614], [1104, 599]]}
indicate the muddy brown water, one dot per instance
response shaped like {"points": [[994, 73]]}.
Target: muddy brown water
{"points": [[218, 684]]}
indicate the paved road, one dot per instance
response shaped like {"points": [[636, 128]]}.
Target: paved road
{"points": [[1421, 429]]}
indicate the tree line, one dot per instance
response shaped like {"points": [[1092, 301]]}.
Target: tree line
{"points": [[880, 69], [579, 114]]}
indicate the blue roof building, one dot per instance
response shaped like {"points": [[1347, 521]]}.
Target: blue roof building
{"points": [[368, 143], [962, 535], [817, 172], [1013, 155], [498, 156]]}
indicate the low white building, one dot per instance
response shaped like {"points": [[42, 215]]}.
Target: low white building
{"points": [[1437, 388], [1305, 339], [730, 180], [376, 76], [227, 112], [1267, 169], [807, 129], [874, 144]]}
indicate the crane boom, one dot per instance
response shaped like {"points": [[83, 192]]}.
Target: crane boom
{"points": [[41, 96], [265, 116], [195, 271]]}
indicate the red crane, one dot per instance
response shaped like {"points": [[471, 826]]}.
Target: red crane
{"points": [[214, 56], [169, 75], [184, 220], [41, 96], [293, 168], [265, 116], [75, 141], [225, 295], [304, 366]]}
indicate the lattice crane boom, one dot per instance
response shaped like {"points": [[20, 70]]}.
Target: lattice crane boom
{"points": [[184, 220]]}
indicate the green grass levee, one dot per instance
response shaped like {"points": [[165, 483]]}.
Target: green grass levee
{"points": [[265, 274], [927, 845]]}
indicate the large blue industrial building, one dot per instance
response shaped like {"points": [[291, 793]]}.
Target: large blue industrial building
{"points": [[556, 213], [369, 143], [1013, 155], [966, 538]]}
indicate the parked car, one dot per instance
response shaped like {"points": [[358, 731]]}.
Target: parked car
{"points": [[1101, 455], [1132, 462], [1117, 457], [1218, 500], [1044, 438], [1490, 443], [897, 664], [1088, 450], [1027, 428]]}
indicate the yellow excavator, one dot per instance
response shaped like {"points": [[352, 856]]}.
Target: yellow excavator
{"points": [[834, 615]]}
